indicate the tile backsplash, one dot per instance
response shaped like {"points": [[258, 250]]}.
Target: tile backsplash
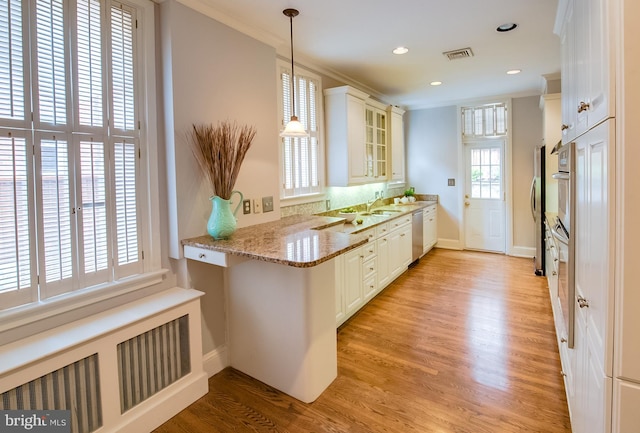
{"points": [[341, 197]]}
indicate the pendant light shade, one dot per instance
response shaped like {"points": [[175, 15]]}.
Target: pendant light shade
{"points": [[294, 128]]}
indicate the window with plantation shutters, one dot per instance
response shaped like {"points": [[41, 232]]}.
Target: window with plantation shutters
{"points": [[301, 157], [69, 147]]}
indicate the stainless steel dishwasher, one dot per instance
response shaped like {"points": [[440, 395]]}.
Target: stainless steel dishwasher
{"points": [[416, 235]]}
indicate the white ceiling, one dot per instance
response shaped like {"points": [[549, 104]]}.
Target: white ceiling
{"points": [[353, 39]]}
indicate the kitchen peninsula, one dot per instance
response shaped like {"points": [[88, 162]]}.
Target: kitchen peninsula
{"points": [[280, 281]]}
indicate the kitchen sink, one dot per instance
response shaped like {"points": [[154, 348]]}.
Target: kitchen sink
{"points": [[385, 212]]}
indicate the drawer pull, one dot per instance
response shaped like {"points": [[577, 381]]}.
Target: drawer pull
{"points": [[202, 255]]}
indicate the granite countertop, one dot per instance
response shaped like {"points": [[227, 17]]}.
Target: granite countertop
{"points": [[301, 240]]}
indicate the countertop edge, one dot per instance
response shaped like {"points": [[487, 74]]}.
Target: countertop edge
{"points": [[296, 226]]}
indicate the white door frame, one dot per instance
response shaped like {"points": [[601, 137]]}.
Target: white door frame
{"points": [[508, 181]]}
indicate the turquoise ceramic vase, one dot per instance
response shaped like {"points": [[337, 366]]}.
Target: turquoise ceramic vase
{"points": [[222, 222]]}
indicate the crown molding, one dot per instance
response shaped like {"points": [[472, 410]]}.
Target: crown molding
{"points": [[206, 9]]}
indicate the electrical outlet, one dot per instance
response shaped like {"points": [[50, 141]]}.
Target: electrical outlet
{"points": [[257, 206], [267, 204], [246, 206], [328, 204], [451, 182]]}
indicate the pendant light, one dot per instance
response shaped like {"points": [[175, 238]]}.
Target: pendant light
{"points": [[294, 128]]}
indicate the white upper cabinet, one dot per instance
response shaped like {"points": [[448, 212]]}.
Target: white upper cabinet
{"points": [[345, 136], [396, 125], [376, 141], [587, 66], [357, 137]]}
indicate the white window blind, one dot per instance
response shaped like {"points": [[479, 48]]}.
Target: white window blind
{"points": [[70, 176], [12, 96], [301, 156]]}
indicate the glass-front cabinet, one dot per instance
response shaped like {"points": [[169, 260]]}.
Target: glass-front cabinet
{"points": [[357, 137], [376, 142]]}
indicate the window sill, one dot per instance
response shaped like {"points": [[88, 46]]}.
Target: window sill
{"points": [[32, 313], [302, 199]]}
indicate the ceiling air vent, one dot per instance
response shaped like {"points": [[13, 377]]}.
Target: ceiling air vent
{"points": [[462, 53]]}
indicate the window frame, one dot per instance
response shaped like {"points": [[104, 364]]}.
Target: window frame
{"points": [[488, 126], [147, 187], [282, 66]]}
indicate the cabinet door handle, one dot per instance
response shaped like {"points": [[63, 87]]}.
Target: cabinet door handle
{"points": [[554, 273], [583, 107], [564, 127], [582, 303], [563, 373], [563, 340]]}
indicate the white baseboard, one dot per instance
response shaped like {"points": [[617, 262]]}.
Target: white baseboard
{"points": [[216, 360], [449, 244], [526, 252], [169, 402]]}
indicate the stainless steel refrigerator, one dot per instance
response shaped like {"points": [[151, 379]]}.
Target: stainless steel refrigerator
{"points": [[537, 207]]}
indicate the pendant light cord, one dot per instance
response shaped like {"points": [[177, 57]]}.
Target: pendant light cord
{"points": [[292, 13], [293, 76]]}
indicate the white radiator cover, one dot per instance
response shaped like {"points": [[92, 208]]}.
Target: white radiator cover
{"points": [[127, 369]]}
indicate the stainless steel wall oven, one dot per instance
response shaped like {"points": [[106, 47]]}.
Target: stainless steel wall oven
{"points": [[565, 238]]}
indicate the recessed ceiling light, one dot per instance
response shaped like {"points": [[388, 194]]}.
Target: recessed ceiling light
{"points": [[514, 71], [506, 27], [401, 50], [435, 83]]}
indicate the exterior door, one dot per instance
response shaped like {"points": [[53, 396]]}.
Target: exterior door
{"points": [[484, 199]]}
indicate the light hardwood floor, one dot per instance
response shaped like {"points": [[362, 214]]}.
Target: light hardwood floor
{"points": [[461, 342]]}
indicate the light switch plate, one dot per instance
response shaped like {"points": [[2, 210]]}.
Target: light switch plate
{"points": [[267, 204], [451, 182]]}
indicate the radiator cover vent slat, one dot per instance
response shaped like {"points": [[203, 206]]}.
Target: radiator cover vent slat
{"points": [[152, 361], [75, 387]]}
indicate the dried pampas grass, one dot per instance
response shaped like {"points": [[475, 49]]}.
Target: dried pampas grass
{"points": [[220, 151]]}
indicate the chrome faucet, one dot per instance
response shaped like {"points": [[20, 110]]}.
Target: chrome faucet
{"points": [[370, 203]]}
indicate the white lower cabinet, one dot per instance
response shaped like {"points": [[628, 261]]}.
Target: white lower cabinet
{"points": [[364, 271], [384, 270], [429, 228], [400, 248], [588, 366], [626, 401], [341, 308], [352, 276]]}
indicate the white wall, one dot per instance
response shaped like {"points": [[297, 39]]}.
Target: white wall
{"points": [[213, 73], [432, 158]]}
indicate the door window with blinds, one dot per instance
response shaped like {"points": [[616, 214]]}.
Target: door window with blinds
{"points": [[69, 147], [301, 158]]}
